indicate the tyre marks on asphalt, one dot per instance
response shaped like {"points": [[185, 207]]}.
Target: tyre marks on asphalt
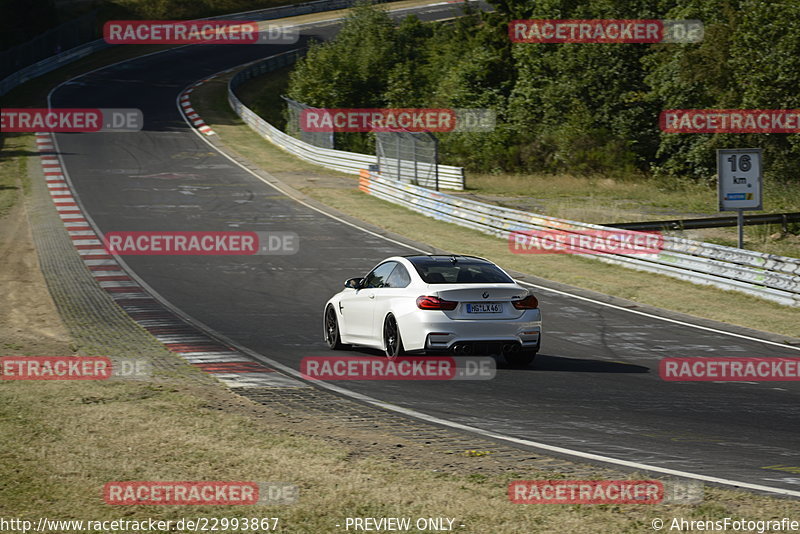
{"points": [[234, 368]]}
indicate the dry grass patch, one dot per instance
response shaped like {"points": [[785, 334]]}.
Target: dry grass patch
{"points": [[62, 441], [607, 201]]}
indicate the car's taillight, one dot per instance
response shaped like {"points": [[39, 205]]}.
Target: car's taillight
{"points": [[435, 303], [528, 303]]}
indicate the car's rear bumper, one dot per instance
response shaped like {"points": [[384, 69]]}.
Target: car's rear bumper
{"points": [[442, 334]]}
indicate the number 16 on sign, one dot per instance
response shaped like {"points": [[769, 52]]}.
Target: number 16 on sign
{"points": [[740, 184]]}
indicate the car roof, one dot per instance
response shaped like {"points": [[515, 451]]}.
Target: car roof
{"points": [[444, 257]]}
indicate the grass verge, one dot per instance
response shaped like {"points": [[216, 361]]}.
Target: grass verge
{"points": [[607, 201], [594, 200], [13, 165], [62, 442]]}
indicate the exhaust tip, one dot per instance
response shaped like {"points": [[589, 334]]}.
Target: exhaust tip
{"points": [[462, 349]]}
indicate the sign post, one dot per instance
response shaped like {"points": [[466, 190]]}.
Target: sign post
{"points": [[740, 182]]}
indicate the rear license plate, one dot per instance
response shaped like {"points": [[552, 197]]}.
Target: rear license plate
{"points": [[484, 307]]}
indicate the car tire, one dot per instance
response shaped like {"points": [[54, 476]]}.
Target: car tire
{"points": [[392, 343], [333, 336]]}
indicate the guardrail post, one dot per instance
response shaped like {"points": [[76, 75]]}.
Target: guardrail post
{"points": [[436, 160], [397, 151], [740, 223], [414, 156]]}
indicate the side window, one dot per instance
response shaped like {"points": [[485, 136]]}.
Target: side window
{"points": [[379, 275], [399, 277]]}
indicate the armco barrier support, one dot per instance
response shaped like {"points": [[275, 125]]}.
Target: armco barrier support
{"points": [[710, 222], [775, 278], [338, 160]]}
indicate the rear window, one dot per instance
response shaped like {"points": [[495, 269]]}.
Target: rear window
{"points": [[458, 271]]}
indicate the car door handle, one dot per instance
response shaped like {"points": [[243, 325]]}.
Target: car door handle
{"points": [[372, 296]]}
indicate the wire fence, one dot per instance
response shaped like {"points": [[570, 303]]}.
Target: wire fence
{"points": [[410, 157], [447, 177], [293, 111]]}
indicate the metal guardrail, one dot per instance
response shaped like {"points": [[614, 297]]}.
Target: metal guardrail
{"points": [[775, 278], [50, 64], [294, 10], [54, 62], [768, 276], [338, 160], [49, 42], [709, 222]]}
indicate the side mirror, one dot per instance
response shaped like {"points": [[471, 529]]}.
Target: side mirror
{"points": [[353, 283]]}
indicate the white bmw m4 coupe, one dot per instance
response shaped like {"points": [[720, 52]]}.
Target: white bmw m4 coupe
{"points": [[459, 305]]}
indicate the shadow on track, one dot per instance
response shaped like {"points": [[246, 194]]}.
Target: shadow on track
{"points": [[545, 362]]}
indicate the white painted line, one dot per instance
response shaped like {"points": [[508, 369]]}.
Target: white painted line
{"points": [[419, 415], [201, 357], [118, 283], [182, 338], [451, 424], [650, 315], [258, 380], [94, 263], [129, 296], [101, 274]]}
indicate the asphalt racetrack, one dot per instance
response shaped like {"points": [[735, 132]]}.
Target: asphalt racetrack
{"points": [[594, 388]]}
